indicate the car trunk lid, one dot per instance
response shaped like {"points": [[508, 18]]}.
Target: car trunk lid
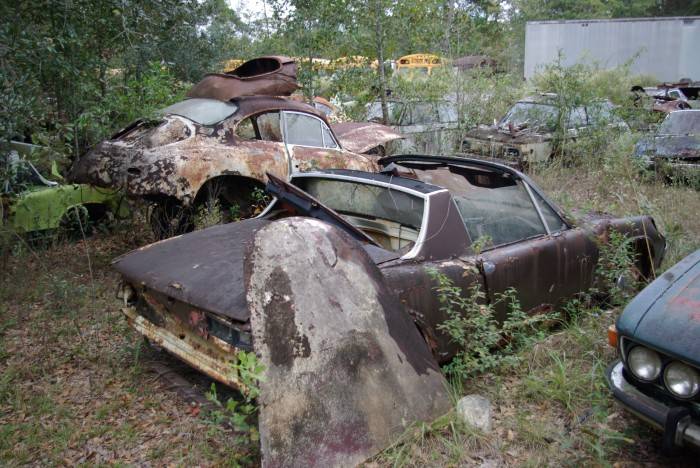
{"points": [[203, 269]]}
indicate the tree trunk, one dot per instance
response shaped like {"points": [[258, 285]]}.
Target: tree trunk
{"points": [[379, 16]]}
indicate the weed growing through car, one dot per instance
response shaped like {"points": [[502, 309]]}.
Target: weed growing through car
{"points": [[473, 326], [240, 415]]}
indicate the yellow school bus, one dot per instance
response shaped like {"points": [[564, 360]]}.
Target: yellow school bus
{"points": [[418, 63], [232, 64]]}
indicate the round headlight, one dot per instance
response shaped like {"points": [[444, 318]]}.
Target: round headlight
{"points": [[644, 363], [682, 380]]}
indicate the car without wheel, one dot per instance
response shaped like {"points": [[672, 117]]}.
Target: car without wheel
{"points": [[215, 148], [339, 270]]}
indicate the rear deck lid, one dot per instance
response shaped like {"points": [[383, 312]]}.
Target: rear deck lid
{"points": [[204, 268]]}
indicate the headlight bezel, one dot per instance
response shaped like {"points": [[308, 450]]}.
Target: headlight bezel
{"points": [[626, 345], [675, 363], [659, 365]]}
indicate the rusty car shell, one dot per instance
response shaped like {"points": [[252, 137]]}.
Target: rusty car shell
{"points": [[428, 126], [665, 318], [199, 295], [174, 157], [270, 76], [674, 150], [526, 134]]}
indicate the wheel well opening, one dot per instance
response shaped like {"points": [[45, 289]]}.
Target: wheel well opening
{"points": [[234, 186], [644, 255]]}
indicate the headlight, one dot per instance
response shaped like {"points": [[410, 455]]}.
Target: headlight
{"points": [[126, 293], [644, 363], [512, 152], [682, 380]]}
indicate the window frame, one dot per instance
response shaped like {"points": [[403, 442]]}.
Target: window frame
{"points": [[323, 138], [531, 190]]}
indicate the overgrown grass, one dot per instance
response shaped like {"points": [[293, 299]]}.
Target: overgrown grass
{"points": [[72, 386]]}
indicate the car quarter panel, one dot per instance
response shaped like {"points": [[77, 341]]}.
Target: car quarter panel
{"points": [[544, 271], [413, 283]]}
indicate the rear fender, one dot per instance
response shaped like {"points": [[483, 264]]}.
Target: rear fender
{"points": [[347, 371]]}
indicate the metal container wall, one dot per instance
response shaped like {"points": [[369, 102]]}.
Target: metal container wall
{"points": [[667, 48]]}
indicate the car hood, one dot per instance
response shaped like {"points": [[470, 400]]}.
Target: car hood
{"points": [[360, 137], [677, 146], [204, 268], [517, 137], [666, 314]]}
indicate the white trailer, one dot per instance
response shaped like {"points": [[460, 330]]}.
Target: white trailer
{"points": [[667, 48]]}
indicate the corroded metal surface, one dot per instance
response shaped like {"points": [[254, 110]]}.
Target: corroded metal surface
{"points": [[361, 137], [272, 76], [347, 371], [203, 269], [213, 358], [177, 157]]}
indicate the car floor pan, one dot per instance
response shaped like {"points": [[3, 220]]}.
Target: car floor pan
{"points": [[347, 371]]}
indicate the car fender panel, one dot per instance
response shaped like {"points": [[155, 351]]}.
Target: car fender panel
{"points": [[346, 369]]}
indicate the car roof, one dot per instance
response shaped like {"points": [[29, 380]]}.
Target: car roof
{"points": [[249, 105], [389, 179]]}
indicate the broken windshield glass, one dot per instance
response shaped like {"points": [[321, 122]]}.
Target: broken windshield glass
{"points": [[530, 115]]}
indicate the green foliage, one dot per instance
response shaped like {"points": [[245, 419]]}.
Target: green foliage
{"points": [[72, 69], [616, 270], [240, 415], [484, 342]]}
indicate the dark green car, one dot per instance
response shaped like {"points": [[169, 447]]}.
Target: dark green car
{"points": [[32, 203], [658, 339]]}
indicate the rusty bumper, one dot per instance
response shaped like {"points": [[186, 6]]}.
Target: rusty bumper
{"points": [[210, 355], [679, 427]]}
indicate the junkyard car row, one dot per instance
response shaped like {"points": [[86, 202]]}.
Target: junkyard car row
{"points": [[325, 263], [525, 135], [421, 214]]}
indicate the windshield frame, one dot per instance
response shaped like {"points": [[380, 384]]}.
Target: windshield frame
{"points": [[423, 232], [503, 123], [226, 110]]}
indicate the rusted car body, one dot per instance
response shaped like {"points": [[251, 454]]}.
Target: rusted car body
{"points": [[200, 295], [428, 127], [674, 150], [366, 137], [270, 76], [526, 134], [218, 146], [657, 336]]}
